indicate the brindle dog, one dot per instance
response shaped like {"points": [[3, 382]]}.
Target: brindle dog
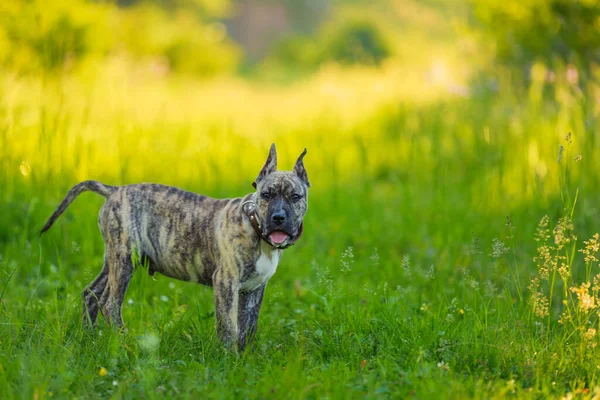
{"points": [[233, 245]]}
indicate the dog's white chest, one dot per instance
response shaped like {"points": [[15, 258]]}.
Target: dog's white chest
{"points": [[265, 267]]}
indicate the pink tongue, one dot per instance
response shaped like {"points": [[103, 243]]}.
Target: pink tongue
{"points": [[278, 237]]}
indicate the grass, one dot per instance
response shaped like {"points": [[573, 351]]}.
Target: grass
{"points": [[411, 278]]}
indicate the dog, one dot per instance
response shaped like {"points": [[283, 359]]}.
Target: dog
{"points": [[233, 245]]}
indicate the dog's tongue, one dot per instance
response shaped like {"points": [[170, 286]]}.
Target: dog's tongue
{"points": [[278, 237]]}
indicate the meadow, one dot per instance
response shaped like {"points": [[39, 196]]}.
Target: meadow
{"points": [[448, 250]]}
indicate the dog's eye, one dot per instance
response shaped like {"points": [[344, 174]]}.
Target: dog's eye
{"points": [[296, 197], [265, 195]]}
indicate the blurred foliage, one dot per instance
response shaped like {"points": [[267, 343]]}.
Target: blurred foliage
{"points": [[190, 36], [359, 41], [348, 41], [551, 31], [206, 8], [36, 35], [188, 45], [306, 16]]}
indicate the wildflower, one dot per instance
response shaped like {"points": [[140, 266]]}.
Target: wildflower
{"points": [[453, 304], [545, 261], [347, 260], [323, 276], [406, 261], [596, 287], [539, 302], [565, 317], [589, 334], [430, 273], [586, 302], [443, 366], [542, 231], [164, 298], [461, 311], [591, 248], [498, 248], [474, 284], [563, 233], [102, 371], [564, 271]]}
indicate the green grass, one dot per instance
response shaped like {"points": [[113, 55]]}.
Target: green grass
{"points": [[415, 191]]}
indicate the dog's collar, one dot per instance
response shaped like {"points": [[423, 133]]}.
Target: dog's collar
{"points": [[249, 208]]}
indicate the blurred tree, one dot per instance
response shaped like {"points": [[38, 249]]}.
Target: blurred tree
{"points": [[346, 40], [49, 36], [204, 8], [355, 42], [523, 31]]}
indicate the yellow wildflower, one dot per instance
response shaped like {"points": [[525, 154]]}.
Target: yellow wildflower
{"points": [[586, 302], [590, 334]]}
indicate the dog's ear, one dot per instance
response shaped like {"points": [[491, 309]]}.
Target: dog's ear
{"points": [[269, 167], [300, 170]]}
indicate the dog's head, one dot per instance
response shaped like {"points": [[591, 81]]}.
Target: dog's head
{"points": [[281, 200]]}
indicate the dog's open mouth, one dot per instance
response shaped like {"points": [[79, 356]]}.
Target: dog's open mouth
{"points": [[278, 237]]}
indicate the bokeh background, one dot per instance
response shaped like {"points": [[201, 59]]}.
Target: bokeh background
{"points": [[439, 133]]}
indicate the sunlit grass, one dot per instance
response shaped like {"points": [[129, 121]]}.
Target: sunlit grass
{"points": [[411, 278]]}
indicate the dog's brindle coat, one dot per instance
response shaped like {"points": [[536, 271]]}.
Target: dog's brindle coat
{"points": [[195, 238]]}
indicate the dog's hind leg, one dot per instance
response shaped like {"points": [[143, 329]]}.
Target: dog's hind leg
{"points": [[120, 271], [91, 297], [117, 256]]}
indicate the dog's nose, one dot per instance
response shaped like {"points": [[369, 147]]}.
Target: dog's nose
{"points": [[278, 218]]}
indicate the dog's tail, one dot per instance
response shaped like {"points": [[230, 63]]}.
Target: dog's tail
{"points": [[93, 186]]}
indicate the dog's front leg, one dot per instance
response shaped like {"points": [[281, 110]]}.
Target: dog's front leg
{"points": [[226, 287], [249, 307]]}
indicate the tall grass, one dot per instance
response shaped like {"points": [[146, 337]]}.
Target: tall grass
{"points": [[412, 275]]}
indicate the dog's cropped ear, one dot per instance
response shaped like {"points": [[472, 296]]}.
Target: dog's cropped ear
{"points": [[269, 167], [300, 170]]}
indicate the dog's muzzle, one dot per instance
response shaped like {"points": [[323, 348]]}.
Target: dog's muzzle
{"points": [[273, 237]]}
